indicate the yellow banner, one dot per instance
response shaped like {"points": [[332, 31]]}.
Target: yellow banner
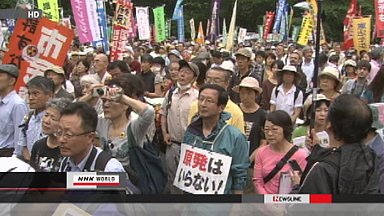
{"points": [[361, 33], [306, 30], [50, 9], [314, 11]]}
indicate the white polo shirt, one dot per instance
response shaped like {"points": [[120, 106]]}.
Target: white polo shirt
{"points": [[285, 100]]}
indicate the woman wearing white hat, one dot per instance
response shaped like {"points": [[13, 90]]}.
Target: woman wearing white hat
{"points": [[330, 82], [286, 95], [321, 113]]}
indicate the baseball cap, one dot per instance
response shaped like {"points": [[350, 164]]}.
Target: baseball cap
{"points": [[350, 63], [55, 69], [191, 66], [175, 53], [9, 69], [308, 101], [244, 52], [228, 65], [249, 82]]}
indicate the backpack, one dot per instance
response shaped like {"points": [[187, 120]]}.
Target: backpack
{"points": [[101, 161], [295, 96], [24, 126], [145, 167]]}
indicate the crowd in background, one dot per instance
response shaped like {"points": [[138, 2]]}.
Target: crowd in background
{"points": [[248, 103]]}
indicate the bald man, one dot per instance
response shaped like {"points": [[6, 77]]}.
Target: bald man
{"points": [[100, 65]]}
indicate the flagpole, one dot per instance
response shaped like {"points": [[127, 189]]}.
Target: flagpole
{"points": [[316, 68]]}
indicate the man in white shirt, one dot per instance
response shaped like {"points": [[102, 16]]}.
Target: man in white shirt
{"points": [[100, 66], [308, 65]]}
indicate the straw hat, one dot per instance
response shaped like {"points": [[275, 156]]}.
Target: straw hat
{"points": [[248, 82], [332, 73]]}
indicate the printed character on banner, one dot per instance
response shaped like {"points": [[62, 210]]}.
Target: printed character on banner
{"points": [[31, 25], [51, 42]]}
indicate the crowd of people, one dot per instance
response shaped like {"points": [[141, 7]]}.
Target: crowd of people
{"points": [[250, 104]]}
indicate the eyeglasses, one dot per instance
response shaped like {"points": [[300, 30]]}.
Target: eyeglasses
{"points": [[67, 135], [208, 100]]}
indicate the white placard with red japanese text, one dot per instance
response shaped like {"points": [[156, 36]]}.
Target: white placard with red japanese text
{"points": [[201, 171], [35, 45]]}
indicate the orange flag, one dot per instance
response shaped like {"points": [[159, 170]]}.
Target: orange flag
{"points": [[200, 34]]}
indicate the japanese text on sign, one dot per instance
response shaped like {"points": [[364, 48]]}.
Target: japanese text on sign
{"points": [[201, 171]]}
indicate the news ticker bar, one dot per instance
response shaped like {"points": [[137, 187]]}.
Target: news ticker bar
{"points": [[20, 13]]}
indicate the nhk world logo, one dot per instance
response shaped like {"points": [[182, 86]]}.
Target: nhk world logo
{"points": [[291, 198]]}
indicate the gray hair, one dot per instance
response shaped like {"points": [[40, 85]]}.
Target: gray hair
{"points": [[90, 78], [306, 49], [59, 103]]}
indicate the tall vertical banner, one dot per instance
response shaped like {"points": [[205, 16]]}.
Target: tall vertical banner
{"points": [[159, 23], [314, 11], [168, 28], [260, 29], [122, 26], [268, 23], [200, 34], [224, 32], [215, 19], [80, 14], [193, 29], [379, 24], [306, 30], [231, 31], [86, 19], [50, 9], [279, 15], [284, 24], [35, 45], [180, 25], [102, 20], [361, 33], [176, 12], [142, 18], [348, 30], [208, 30]]}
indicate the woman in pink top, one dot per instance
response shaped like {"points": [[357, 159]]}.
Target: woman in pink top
{"points": [[278, 130]]}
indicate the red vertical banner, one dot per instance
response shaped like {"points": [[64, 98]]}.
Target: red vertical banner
{"points": [[379, 10], [122, 28], [35, 45], [268, 23], [119, 39], [348, 32]]}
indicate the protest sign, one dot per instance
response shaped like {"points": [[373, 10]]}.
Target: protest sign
{"points": [[306, 30], [201, 171], [379, 11], [142, 18], [35, 45], [86, 19], [159, 23], [361, 33], [193, 30], [50, 9]]}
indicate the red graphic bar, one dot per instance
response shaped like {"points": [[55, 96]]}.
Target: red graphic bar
{"points": [[33, 189], [320, 198], [96, 184]]}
